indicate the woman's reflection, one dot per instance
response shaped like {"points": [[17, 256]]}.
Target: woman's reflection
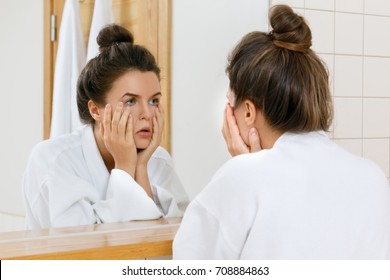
{"points": [[112, 168]]}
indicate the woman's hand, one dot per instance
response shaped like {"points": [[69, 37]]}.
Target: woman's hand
{"points": [[233, 139], [158, 127], [117, 134], [141, 173]]}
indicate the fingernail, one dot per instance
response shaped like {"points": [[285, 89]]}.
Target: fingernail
{"points": [[253, 131]]}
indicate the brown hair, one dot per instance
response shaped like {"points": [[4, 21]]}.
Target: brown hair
{"points": [[281, 75], [118, 55]]}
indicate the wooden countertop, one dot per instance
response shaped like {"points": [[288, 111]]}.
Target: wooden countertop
{"points": [[126, 240]]}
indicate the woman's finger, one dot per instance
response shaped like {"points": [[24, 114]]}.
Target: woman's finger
{"points": [[254, 140], [107, 122], [160, 117], [236, 144], [225, 127], [129, 129], [116, 117], [158, 126], [160, 122], [156, 136], [123, 122], [231, 123]]}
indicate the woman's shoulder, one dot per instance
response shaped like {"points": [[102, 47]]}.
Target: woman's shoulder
{"points": [[240, 165], [366, 168], [50, 149], [236, 178]]}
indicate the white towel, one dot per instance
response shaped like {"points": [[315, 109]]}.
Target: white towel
{"points": [[102, 15], [69, 63]]}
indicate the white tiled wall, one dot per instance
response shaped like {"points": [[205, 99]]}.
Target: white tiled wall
{"points": [[377, 7], [353, 38], [323, 21], [348, 76]]}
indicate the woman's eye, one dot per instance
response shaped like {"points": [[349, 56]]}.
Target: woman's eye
{"points": [[130, 102], [154, 101]]}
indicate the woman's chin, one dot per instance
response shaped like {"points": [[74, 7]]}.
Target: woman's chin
{"points": [[142, 145]]}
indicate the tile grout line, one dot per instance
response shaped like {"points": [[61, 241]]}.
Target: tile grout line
{"points": [[363, 53]]}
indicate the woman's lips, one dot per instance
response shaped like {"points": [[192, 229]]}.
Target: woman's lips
{"points": [[144, 133]]}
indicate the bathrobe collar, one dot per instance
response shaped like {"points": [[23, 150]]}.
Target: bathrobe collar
{"points": [[93, 158]]}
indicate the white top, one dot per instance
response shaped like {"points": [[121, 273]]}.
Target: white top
{"points": [[306, 198], [66, 183]]}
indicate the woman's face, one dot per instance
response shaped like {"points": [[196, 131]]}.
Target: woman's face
{"points": [[141, 92]]}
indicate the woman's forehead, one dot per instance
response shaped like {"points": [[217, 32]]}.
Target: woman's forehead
{"points": [[144, 84]]}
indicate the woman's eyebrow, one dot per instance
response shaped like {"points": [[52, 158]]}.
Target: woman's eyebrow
{"points": [[156, 94], [136, 95], [130, 94]]}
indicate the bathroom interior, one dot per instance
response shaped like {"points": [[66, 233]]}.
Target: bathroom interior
{"points": [[351, 36]]}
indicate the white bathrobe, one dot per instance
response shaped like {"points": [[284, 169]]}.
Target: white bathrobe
{"points": [[306, 198], [66, 183]]}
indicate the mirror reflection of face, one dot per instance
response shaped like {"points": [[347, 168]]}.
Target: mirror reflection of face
{"points": [[141, 92]]}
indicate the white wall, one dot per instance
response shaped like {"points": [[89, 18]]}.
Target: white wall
{"points": [[21, 115], [204, 32]]}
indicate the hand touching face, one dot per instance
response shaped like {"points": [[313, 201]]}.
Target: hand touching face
{"points": [[132, 121], [140, 93], [234, 141], [117, 133], [239, 137]]}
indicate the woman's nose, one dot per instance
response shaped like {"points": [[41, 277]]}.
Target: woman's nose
{"points": [[146, 112]]}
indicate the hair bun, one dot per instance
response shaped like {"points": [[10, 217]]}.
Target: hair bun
{"points": [[113, 34], [290, 30]]}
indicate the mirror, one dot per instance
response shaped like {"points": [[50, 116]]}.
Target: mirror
{"points": [[203, 33]]}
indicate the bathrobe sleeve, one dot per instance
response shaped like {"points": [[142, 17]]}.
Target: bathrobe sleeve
{"points": [[74, 201], [168, 192], [60, 191]]}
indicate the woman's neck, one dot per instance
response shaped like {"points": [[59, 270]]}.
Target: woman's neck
{"points": [[268, 138], [106, 155], [268, 135]]}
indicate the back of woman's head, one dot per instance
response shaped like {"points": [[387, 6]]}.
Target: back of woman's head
{"points": [[281, 75], [118, 55]]}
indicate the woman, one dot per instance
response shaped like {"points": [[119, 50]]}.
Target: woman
{"points": [[111, 169], [289, 192]]}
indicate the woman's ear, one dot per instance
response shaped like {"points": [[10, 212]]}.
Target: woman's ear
{"points": [[250, 113], [94, 110]]}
